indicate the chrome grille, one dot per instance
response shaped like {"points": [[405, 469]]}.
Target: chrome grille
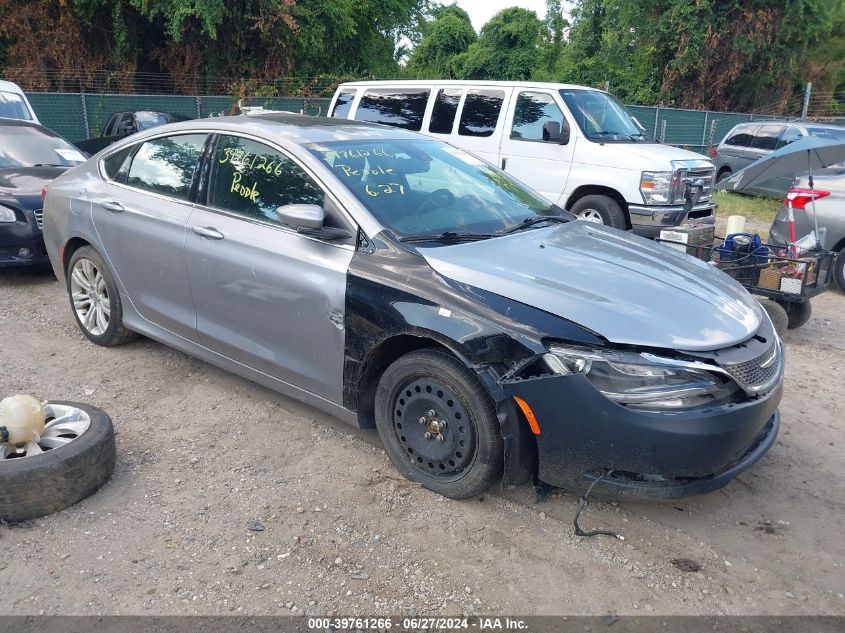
{"points": [[39, 218], [760, 374], [693, 176]]}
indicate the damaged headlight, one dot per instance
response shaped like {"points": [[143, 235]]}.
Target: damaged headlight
{"points": [[643, 381]]}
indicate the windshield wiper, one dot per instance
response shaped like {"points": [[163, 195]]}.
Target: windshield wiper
{"points": [[448, 236], [537, 219], [49, 165]]}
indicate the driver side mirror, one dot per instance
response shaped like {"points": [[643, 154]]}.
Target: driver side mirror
{"points": [[553, 134], [302, 216]]}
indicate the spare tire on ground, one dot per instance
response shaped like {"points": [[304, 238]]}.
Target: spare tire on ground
{"points": [[73, 458]]}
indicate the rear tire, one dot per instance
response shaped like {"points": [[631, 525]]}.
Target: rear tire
{"points": [[725, 173], [91, 287], [839, 270], [593, 208], [464, 456], [797, 313]]}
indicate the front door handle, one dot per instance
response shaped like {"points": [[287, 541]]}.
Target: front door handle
{"points": [[208, 232], [113, 206]]}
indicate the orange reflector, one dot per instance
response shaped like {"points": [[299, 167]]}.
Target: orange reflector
{"points": [[529, 415]]}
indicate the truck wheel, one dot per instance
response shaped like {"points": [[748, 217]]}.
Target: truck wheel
{"points": [[839, 270], [95, 299], [600, 210], [73, 458], [798, 313], [777, 313], [438, 424]]}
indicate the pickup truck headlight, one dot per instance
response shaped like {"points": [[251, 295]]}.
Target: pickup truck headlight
{"points": [[7, 214], [656, 186], [644, 381]]}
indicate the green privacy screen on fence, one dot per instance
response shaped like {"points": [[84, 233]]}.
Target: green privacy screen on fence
{"points": [[78, 116]]}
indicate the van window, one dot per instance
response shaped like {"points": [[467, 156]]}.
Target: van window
{"points": [[741, 137], [766, 138], [12, 106], [481, 112], [445, 109], [399, 109], [343, 104], [533, 111], [791, 135]]}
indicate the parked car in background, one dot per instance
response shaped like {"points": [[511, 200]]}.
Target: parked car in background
{"points": [[577, 146], [30, 157], [122, 124], [14, 104], [747, 142], [829, 192], [400, 282]]}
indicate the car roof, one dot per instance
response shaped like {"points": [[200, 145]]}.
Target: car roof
{"points": [[298, 128], [8, 86], [382, 83]]}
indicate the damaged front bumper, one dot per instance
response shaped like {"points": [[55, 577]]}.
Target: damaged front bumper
{"points": [[652, 454]]}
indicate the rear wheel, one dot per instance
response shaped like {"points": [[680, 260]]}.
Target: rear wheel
{"points": [[600, 210], [95, 300], [438, 424], [725, 173]]}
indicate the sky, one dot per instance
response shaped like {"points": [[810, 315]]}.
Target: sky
{"points": [[482, 10]]}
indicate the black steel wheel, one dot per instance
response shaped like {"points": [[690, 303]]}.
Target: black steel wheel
{"points": [[438, 424]]}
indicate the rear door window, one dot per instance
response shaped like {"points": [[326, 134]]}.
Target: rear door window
{"points": [[253, 180], [114, 166], [533, 111], [343, 104], [444, 111], [481, 112], [167, 165], [741, 137], [791, 135], [766, 137], [399, 109]]}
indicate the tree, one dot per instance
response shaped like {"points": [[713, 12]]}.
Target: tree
{"points": [[554, 26], [507, 47], [449, 34]]}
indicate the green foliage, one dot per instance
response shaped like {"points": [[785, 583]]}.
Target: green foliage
{"points": [[448, 35], [507, 47]]}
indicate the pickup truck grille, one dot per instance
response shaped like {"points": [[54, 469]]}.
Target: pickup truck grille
{"points": [[39, 218]]}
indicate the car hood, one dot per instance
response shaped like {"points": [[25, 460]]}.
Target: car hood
{"points": [[625, 288], [23, 181], [652, 156]]}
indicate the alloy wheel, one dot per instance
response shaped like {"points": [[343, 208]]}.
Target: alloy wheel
{"points": [[64, 424], [90, 297], [590, 215]]}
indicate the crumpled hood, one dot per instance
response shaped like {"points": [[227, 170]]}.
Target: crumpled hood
{"points": [[25, 181], [626, 288]]}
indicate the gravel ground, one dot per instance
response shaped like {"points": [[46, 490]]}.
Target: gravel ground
{"points": [[228, 498]]}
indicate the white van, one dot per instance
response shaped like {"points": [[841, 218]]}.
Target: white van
{"points": [[577, 146], [14, 104]]}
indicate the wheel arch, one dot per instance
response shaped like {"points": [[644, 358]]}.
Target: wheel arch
{"points": [[599, 190], [69, 248]]}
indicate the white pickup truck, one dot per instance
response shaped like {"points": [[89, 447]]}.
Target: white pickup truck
{"points": [[577, 146]]}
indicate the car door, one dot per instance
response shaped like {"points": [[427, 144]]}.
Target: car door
{"points": [[481, 121], [267, 296], [734, 150], [532, 147], [140, 211]]}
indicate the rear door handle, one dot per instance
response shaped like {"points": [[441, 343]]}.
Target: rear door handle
{"points": [[114, 207], [504, 163], [208, 232]]}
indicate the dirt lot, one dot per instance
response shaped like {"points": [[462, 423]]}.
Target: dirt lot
{"points": [[204, 455]]}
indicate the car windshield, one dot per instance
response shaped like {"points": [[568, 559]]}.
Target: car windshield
{"points": [[26, 146], [423, 187], [833, 134], [12, 106], [601, 117]]}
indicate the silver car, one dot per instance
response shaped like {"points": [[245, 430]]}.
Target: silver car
{"points": [[747, 142], [829, 193], [399, 282]]}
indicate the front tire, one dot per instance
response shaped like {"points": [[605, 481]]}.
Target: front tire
{"points": [[438, 424], [95, 300], [600, 210]]}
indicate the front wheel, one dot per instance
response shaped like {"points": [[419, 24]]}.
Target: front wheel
{"points": [[438, 424], [600, 210]]}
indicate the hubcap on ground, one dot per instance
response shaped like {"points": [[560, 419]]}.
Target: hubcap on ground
{"points": [[433, 428], [90, 297], [590, 215], [64, 424]]}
